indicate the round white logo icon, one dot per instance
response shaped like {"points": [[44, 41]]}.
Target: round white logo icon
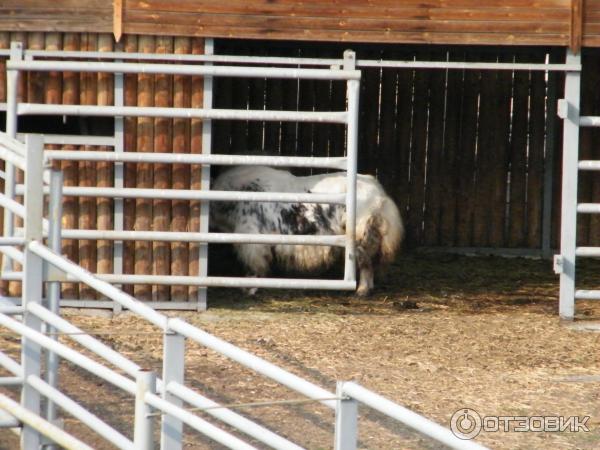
{"points": [[465, 423]]}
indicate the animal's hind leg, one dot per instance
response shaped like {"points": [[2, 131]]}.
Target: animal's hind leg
{"points": [[365, 273], [256, 259]]}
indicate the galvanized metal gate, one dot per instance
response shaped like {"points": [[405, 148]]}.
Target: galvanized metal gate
{"points": [[208, 66]]}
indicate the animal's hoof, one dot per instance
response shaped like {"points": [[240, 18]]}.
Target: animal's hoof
{"points": [[251, 291], [363, 292]]}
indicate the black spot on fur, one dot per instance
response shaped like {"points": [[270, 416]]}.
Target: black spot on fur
{"points": [[294, 218]]}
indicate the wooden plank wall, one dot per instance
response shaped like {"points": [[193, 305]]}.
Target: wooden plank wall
{"points": [[493, 22], [461, 152]]}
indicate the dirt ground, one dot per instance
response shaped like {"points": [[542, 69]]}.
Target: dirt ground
{"points": [[440, 333]]}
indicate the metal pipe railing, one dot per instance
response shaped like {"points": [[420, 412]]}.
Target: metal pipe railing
{"points": [[188, 69], [184, 113], [186, 158], [183, 194], [79, 412], [34, 421], [407, 417]]}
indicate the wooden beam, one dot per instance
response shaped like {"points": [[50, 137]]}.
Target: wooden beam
{"points": [[576, 25], [117, 19]]}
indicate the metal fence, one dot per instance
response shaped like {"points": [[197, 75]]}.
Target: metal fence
{"points": [[167, 395], [24, 61]]}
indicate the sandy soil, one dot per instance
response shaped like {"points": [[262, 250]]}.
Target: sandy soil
{"points": [[440, 333]]}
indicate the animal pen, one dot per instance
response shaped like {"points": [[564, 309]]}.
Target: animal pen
{"points": [[459, 118]]}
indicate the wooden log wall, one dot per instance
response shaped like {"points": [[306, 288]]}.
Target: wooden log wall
{"points": [[143, 135]]}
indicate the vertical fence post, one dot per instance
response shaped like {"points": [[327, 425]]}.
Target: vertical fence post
{"points": [[53, 287], [352, 93], [12, 88], [31, 353], [143, 427], [207, 100], [119, 218], [171, 434], [346, 418], [568, 228]]}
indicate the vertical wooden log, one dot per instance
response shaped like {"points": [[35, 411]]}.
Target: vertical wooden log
{"points": [[450, 174], [163, 129], [518, 158], [145, 143], [87, 174], [70, 96], [105, 173], [4, 43], [35, 85], [180, 174], [130, 170], [466, 160], [197, 100]]}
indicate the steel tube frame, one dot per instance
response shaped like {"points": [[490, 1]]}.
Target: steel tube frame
{"points": [[35, 422], [210, 238], [231, 418], [253, 362], [186, 113], [568, 240], [328, 62], [31, 351], [80, 413], [204, 159], [144, 421], [197, 423], [407, 417], [53, 287], [183, 194], [177, 69]]}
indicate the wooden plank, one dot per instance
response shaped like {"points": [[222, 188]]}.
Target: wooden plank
{"points": [[104, 174], [494, 10], [117, 19], [499, 155], [130, 45], [161, 212], [369, 120], [450, 173], [401, 192], [518, 158], [256, 100], [592, 78], [466, 160], [435, 150], [70, 96], [87, 174], [289, 130], [418, 163], [387, 162], [182, 89], [539, 25], [273, 101], [144, 178], [197, 99], [576, 25], [535, 178]]}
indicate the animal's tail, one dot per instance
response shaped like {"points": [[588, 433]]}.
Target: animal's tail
{"points": [[382, 230]]}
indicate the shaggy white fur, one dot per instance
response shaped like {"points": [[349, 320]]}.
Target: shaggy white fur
{"points": [[379, 228]]}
